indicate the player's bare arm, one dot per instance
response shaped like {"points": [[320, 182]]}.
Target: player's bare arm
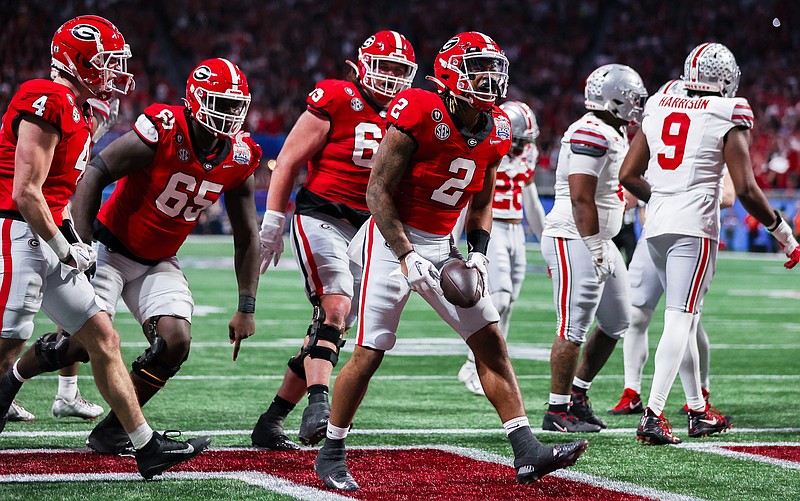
{"points": [[390, 165], [479, 212], [728, 191], [307, 137], [126, 154], [631, 173], [36, 144], [240, 205], [736, 153], [582, 188]]}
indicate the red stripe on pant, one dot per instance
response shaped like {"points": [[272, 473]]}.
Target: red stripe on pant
{"points": [[697, 280], [365, 281], [563, 292], [316, 283], [5, 287]]}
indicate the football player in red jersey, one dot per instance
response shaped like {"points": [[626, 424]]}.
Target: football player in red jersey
{"points": [[336, 137], [44, 146], [175, 163], [440, 152]]}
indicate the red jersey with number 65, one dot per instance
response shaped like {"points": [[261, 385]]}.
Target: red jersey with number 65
{"points": [[55, 104], [450, 162], [152, 210], [340, 170]]}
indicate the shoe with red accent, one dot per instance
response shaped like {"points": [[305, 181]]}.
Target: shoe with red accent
{"points": [[655, 430], [703, 424], [630, 403], [685, 409]]}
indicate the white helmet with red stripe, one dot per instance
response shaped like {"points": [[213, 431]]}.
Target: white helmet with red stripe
{"points": [[673, 88], [711, 67], [524, 129], [618, 89], [218, 96], [386, 63]]}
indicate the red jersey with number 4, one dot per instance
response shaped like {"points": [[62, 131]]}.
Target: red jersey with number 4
{"points": [[449, 164], [340, 170], [152, 210], [55, 104]]}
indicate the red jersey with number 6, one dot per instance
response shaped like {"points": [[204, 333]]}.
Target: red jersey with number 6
{"points": [[450, 162], [152, 210], [55, 104], [340, 170]]}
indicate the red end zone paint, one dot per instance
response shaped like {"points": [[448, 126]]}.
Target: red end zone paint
{"points": [[783, 452], [407, 474]]}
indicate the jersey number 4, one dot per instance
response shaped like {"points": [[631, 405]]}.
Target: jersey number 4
{"points": [[174, 200], [674, 133]]}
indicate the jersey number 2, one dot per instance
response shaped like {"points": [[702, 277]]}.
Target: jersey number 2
{"points": [[450, 192], [674, 133], [173, 201]]}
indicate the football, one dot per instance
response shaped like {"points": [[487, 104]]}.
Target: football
{"points": [[461, 286]]}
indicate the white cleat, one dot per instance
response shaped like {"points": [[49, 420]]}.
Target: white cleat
{"points": [[80, 408], [468, 375], [18, 413]]}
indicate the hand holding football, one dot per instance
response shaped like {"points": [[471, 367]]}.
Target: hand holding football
{"points": [[462, 286]]}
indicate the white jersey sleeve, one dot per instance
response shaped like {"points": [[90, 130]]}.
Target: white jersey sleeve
{"points": [[685, 136], [591, 147]]}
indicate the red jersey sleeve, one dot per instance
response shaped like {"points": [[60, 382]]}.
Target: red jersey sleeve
{"points": [[325, 98], [405, 112], [45, 105]]}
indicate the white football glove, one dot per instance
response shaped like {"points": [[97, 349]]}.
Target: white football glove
{"points": [[271, 236], [480, 262], [422, 276], [84, 257], [601, 257], [106, 113]]}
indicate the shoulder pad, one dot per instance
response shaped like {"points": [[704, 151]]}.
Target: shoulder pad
{"points": [[585, 141], [146, 129]]}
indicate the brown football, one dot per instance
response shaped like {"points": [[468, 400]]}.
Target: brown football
{"points": [[462, 286]]}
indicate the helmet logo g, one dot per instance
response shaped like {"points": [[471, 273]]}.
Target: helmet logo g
{"points": [[202, 73], [368, 42], [86, 32], [449, 45]]}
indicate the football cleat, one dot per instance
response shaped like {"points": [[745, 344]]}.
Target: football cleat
{"points": [[331, 468], [581, 408], [655, 430], [269, 434], [531, 470], [18, 413], [469, 376], [109, 437], [80, 408], [315, 419], [703, 424], [162, 452], [630, 403], [567, 423], [685, 409]]}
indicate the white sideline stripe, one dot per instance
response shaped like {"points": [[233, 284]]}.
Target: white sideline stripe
{"points": [[717, 448], [387, 431]]}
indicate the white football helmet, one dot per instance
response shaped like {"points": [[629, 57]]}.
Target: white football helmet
{"points": [[618, 89], [524, 128], [711, 67], [673, 88]]}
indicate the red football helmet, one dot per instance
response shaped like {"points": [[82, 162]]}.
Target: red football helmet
{"points": [[218, 95], [386, 63], [467, 57], [91, 49]]}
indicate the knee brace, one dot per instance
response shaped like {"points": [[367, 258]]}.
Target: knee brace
{"points": [[148, 366], [53, 351], [328, 333]]}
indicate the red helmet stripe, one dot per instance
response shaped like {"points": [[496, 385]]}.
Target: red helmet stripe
{"points": [[697, 54]]}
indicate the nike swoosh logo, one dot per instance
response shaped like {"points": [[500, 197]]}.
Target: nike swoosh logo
{"points": [[632, 405], [338, 485], [494, 141], [189, 449], [560, 428], [711, 422]]}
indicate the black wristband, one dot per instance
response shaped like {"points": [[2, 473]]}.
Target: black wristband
{"points": [[247, 303], [777, 222], [478, 241]]}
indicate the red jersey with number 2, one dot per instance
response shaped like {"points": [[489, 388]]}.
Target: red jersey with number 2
{"points": [[152, 210], [449, 164], [55, 104], [339, 172]]}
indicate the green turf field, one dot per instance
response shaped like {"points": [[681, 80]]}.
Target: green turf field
{"points": [[751, 315]]}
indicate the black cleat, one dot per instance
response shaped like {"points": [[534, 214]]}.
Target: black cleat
{"points": [[110, 438], [331, 467], [162, 452], [655, 430], [269, 434], [581, 408], [9, 387], [315, 419], [566, 422], [703, 424], [531, 469]]}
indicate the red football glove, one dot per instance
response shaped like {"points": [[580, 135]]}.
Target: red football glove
{"points": [[794, 258]]}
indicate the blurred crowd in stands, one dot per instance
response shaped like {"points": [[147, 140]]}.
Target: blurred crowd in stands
{"points": [[286, 46]]}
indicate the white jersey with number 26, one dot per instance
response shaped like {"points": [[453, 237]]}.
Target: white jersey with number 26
{"points": [[686, 138]]}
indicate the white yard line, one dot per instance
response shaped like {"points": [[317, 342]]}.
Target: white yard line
{"points": [[718, 448]]}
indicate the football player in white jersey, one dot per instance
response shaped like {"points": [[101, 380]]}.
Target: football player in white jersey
{"points": [[589, 276], [514, 191], [646, 291], [683, 145]]}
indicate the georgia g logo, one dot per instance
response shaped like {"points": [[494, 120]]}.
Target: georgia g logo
{"points": [[202, 73], [368, 42], [86, 32], [449, 45]]}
